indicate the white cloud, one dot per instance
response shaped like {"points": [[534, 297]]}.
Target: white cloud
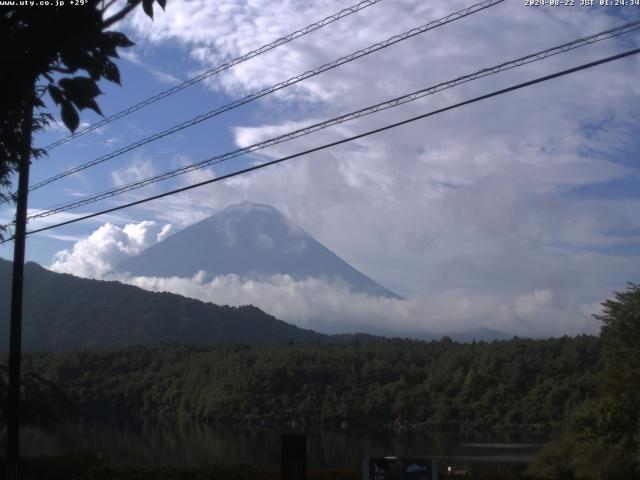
{"points": [[332, 308], [162, 77], [139, 169], [96, 255], [246, 136], [63, 238]]}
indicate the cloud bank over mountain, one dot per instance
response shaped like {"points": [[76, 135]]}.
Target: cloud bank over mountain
{"points": [[331, 306]]}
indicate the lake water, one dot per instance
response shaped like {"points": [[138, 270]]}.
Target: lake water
{"points": [[150, 442]]}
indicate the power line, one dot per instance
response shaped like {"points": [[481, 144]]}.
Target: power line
{"points": [[216, 70], [279, 86], [534, 57], [345, 140]]}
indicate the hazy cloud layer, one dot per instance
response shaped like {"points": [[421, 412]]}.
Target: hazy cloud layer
{"points": [[331, 307]]}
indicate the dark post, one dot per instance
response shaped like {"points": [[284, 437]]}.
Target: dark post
{"points": [[294, 457], [15, 336]]}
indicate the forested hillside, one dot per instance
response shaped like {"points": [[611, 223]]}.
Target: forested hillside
{"points": [[444, 384], [63, 312]]}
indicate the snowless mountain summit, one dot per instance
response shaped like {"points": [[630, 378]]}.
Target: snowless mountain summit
{"points": [[249, 240]]}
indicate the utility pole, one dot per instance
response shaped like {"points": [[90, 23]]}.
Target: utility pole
{"points": [[15, 335]]}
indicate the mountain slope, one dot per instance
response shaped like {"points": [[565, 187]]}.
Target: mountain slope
{"points": [[248, 239], [63, 312]]}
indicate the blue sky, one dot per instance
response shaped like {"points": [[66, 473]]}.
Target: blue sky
{"points": [[519, 213]]}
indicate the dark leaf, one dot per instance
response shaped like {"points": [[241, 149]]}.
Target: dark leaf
{"points": [[87, 103], [110, 72], [119, 39], [94, 70], [147, 6], [72, 64], [75, 58], [44, 119], [38, 103], [70, 116], [94, 73], [80, 90], [108, 46], [56, 94], [94, 106], [162, 3], [38, 152]]}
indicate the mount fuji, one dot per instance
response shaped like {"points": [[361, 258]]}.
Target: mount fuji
{"points": [[250, 240]]}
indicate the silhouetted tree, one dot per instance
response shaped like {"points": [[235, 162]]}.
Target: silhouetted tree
{"points": [[57, 51], [44, 50]]}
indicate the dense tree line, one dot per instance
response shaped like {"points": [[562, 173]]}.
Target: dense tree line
{"points": [[440, 384]]}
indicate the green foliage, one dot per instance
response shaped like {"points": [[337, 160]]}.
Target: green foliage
{"points": [[601, 438], [513, 384]]}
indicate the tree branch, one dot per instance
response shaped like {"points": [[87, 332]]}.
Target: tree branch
{"points": [[120, 15], [107, 6], [61, 70]]}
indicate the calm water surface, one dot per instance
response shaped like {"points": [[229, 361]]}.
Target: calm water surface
{"points": [[150, 442]]}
